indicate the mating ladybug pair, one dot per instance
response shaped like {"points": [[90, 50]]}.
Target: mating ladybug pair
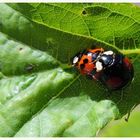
{"points": [[114, 70]]}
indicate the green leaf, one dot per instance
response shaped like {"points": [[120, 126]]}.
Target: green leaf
{"points": [[76, 118], [119, 128], [41, 94], [95, 20]]}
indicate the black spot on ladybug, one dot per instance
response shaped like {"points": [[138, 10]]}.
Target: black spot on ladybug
{"points": [[85, 60], [82, 66], [84, 12]]}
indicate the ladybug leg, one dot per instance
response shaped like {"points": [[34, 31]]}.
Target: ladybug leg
{"points": [[92, 76], [89, 76], [129, 113]]}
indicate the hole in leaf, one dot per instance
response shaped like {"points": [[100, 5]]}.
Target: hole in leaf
{"points": [[84, 12]]}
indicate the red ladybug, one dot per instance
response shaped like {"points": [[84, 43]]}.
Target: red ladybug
{"points": [[114, 70]]}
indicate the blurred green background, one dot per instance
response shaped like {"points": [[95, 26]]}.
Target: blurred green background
{"points": [[121, 128]]}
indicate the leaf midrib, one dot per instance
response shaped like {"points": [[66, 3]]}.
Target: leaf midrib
{"points": [[130, 51], [76, 34], [126, 52]]}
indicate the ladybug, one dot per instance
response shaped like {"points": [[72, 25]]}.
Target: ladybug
{"points": [[113, 70]]}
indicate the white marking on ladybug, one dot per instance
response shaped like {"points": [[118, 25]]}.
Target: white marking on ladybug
{"points": [[89, 54], [75, 60], [99, 66], [108, 52]]}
